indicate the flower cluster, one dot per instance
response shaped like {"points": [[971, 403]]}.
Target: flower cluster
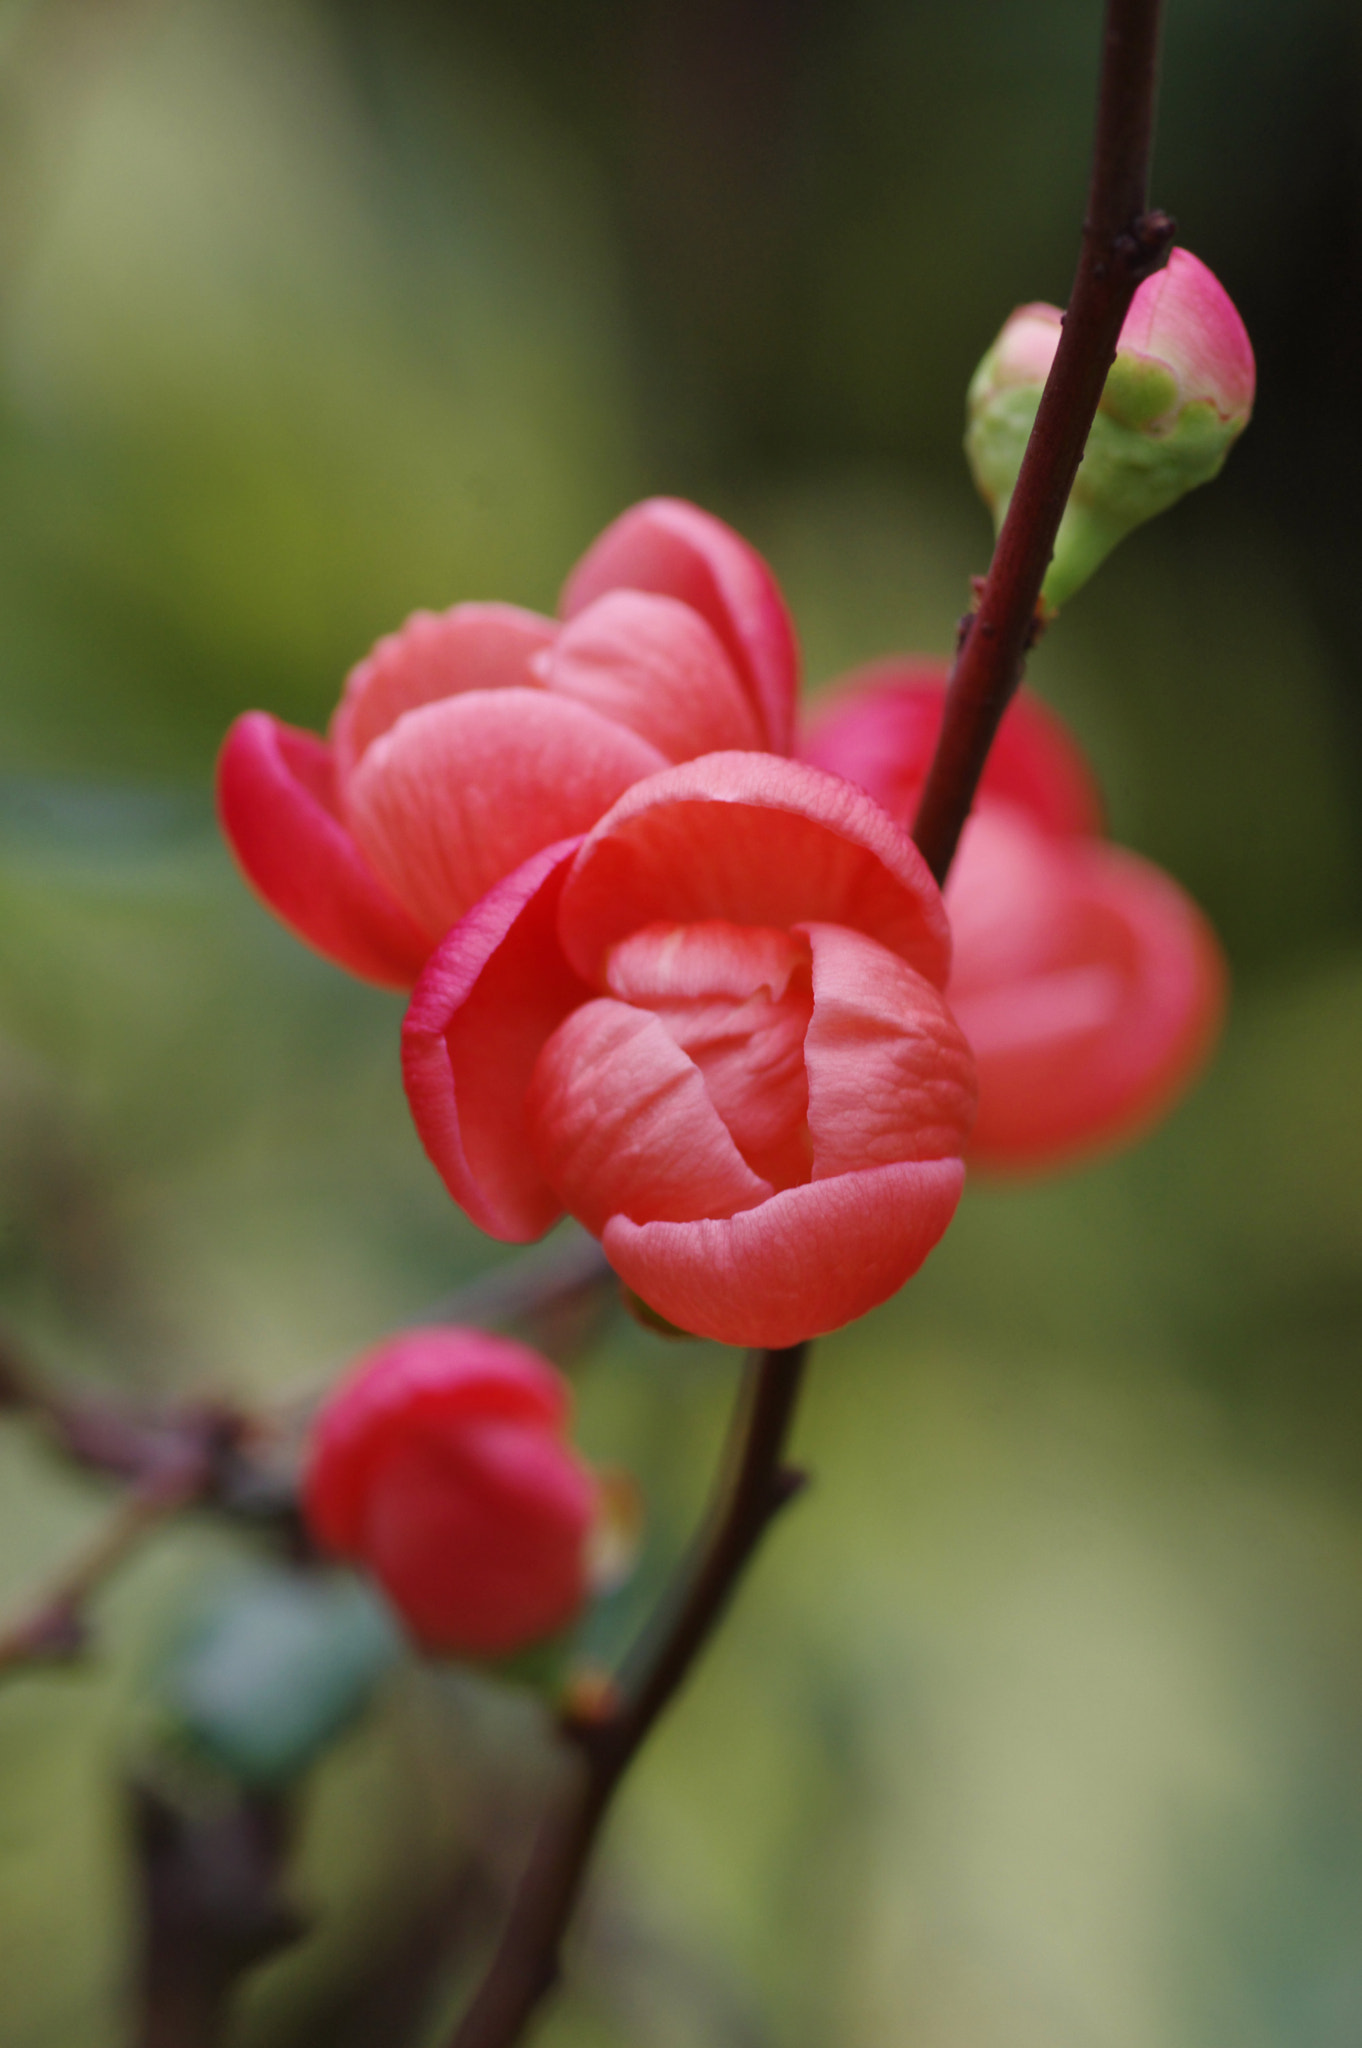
{"points": [[697, 994], [705, 997]]}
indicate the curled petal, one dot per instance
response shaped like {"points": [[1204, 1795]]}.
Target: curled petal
{"points": [[673, 548], [890, 1076], [804, 1263], [421, 1379], [756, 840], [621, 1120], [657, 667], [1091, 1050], [434, 655], [678, 963], [278, 806], [879, 729], [458, 793], [737, 1000], [491, 995]]}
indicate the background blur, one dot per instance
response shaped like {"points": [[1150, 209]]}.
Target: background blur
{"points": [[1041, 1722]]}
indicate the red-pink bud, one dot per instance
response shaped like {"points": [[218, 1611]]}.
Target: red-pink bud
{"points": [[440, 1464]]}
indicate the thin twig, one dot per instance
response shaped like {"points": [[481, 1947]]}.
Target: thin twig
{"points": [[755, 1485], [54, 1630], [1122, 243]]}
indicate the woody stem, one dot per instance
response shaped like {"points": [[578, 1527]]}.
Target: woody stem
{"points": [[1122, 243]]}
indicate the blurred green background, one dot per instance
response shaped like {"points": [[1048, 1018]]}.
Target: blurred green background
{"points": [[1040, 1724]]}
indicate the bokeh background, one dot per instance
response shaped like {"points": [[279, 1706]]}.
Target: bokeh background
{"points": [[1040, 1724]]}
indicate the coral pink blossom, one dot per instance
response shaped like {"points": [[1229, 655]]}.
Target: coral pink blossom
{"points": [[471, 739], [1088, 984], [713, 1030], [440, 1464]]}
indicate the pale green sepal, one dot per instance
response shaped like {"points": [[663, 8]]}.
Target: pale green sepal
{"points": [[1139, 391]]}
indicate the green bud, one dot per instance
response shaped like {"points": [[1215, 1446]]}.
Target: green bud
{"points": [[1176, 398]]}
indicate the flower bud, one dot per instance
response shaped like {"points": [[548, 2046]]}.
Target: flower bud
{"points": [[441, 1464], [1176, 398]]}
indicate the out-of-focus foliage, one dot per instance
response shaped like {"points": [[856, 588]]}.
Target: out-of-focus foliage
{"points": [[1038, 1724]]}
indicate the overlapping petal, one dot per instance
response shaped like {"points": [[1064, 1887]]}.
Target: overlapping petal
{"points": [[456, 794], [278, 804], [471, 738], [805, 1262], [490, 996], [657, 667], [622, 1122], [674, 549], [750, 839], [890, 1077], [435, 655]]}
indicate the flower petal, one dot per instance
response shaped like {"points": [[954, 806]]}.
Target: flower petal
{"points": [[757, 840], [277, 803], [489, 998], [804, 1263], [1014, 901], [673, 548], [434, 655], [737, 1000], [458, 793], [1091, 1051], [420, 1377], [654, 665], [481, 1533], [878, 727], [621, 1120], [1184, 317], [890, 1076]]}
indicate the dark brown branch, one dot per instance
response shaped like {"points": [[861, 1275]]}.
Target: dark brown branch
{"points": [[211, 1910], [1122, 243], [755, 1485]]}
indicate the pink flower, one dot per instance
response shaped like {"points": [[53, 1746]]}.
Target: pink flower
{"points": [[1088, 984], [712, 1030], [468, 740], [440, 1464]]}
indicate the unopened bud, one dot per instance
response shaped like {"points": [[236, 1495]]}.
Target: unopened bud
{"points": [[1176, 398]]}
